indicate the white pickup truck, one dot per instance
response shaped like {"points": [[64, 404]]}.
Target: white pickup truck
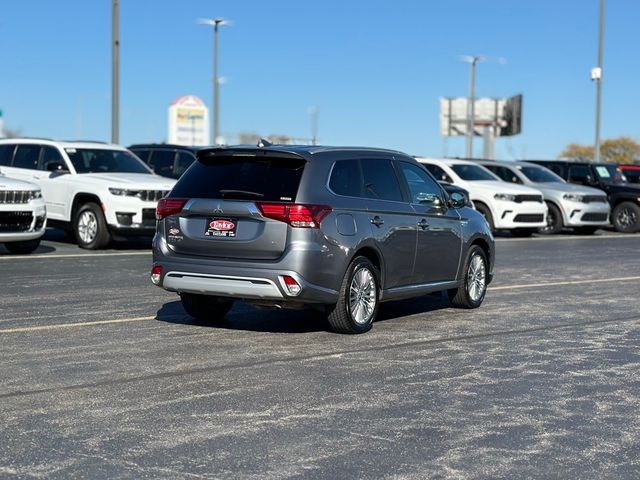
{"points": [[94, 189]]}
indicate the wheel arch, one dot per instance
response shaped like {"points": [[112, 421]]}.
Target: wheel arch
{"points": [[80, 199], [374, 256]]}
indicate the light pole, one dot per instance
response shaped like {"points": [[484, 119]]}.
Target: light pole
{"points": [[115, 71], [472, 61], [215, 23], [313, 114], [596, 74]]}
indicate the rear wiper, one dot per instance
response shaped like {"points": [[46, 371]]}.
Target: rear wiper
{"points": [[229, 193]]}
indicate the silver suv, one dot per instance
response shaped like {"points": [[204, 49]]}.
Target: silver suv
{"points": [[339, 229], [584, 209]]}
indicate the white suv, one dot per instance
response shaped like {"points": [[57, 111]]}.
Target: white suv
{"points": [[505, 206], [96, 189], [23, 217]]}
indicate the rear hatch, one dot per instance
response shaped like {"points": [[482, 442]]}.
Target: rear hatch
{"points": [[226, 196]]}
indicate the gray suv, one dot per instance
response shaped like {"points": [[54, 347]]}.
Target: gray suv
{"points": [[338, 229]]}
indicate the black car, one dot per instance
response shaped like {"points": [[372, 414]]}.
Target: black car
{"points": [[623, 196], [165, 159]]}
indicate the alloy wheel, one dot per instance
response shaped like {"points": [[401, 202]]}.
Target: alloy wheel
{"points": [[627, 218], [87, 226], [476, 278], [362, 296]]}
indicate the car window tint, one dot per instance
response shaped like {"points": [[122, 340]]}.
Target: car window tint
{"points": [[26, 156], [6, 152], [437, 172], [504, 173], [184, 161], [556, 168], [422, 187], [242, 178], [162, 162], [345, 178], [142, 154], [380, 180], [578, 171], [50, 155]]}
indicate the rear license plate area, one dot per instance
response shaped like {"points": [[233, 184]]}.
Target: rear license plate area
{"points": [[221, 227]]}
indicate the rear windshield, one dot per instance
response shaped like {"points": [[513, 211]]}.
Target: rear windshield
{"points": [[242, 178]]}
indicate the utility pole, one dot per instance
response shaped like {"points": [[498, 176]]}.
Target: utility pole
{"points": [[115, 71], [596, 74], [216, 23], [471, 100]]}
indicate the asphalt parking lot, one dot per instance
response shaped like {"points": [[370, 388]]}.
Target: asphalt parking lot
{"points": [[103, 375]]}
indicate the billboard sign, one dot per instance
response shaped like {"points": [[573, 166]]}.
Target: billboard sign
{"points": [[188, 121], [503, 114]]}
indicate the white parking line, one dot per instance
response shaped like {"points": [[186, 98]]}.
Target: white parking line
{"points": [[570, 237], [568, 282], [141, 319], [73, 255], [73, 325]]}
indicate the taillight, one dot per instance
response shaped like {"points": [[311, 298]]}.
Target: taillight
{"points": [[293, 287], [301, 216], [156, 273], [169, 206]]}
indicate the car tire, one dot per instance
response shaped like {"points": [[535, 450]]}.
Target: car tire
{"points": [[206, 308], [357, 305], [554, 221], [90, 227], [486, 213], [474, 287], [24, 247], [626, 217]]}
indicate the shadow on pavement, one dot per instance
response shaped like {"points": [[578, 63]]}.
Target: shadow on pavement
{"points": [[245, 317]]}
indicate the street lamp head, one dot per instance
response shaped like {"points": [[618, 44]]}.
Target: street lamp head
{"points": [[472, 58], [214, 22]]}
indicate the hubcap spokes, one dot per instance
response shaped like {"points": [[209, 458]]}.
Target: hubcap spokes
{"points": [[362, 296], [626, 217], [87, 226], [476, 278]]}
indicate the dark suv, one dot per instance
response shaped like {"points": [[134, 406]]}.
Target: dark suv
{"points": [[339, 229], [623, 196], [165, 159]]}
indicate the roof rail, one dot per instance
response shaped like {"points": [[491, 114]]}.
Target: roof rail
{"points": [[85, 141]]}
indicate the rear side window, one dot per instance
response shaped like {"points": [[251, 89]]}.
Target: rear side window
{"points": [[6, 152], [26, 156], [345, 178], [504, 173], [242, 178], [380, 180]]}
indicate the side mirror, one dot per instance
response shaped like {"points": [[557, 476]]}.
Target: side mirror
{"points": [[458, 200], [56, 167]]}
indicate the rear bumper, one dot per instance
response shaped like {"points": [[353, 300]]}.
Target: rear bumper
{"points": [[241, 283]]}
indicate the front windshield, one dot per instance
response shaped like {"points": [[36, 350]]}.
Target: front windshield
{"points": [[473, 173], [540, 175], [100, 160], [610, 174]]}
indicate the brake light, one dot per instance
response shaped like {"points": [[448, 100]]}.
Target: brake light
{"points": [[300, 216], [169, 206], [293, 287], [156, 273]]}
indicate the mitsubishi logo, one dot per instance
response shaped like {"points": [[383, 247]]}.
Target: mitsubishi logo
{"points": [[218, 209]]}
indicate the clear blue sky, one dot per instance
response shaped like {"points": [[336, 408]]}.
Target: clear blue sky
{"points": [[375, 68]]}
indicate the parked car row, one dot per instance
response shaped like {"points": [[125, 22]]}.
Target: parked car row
{"points": [[95, 190]]}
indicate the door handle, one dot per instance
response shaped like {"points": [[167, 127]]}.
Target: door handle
{"points": [[377, 221], [423, 224]]}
